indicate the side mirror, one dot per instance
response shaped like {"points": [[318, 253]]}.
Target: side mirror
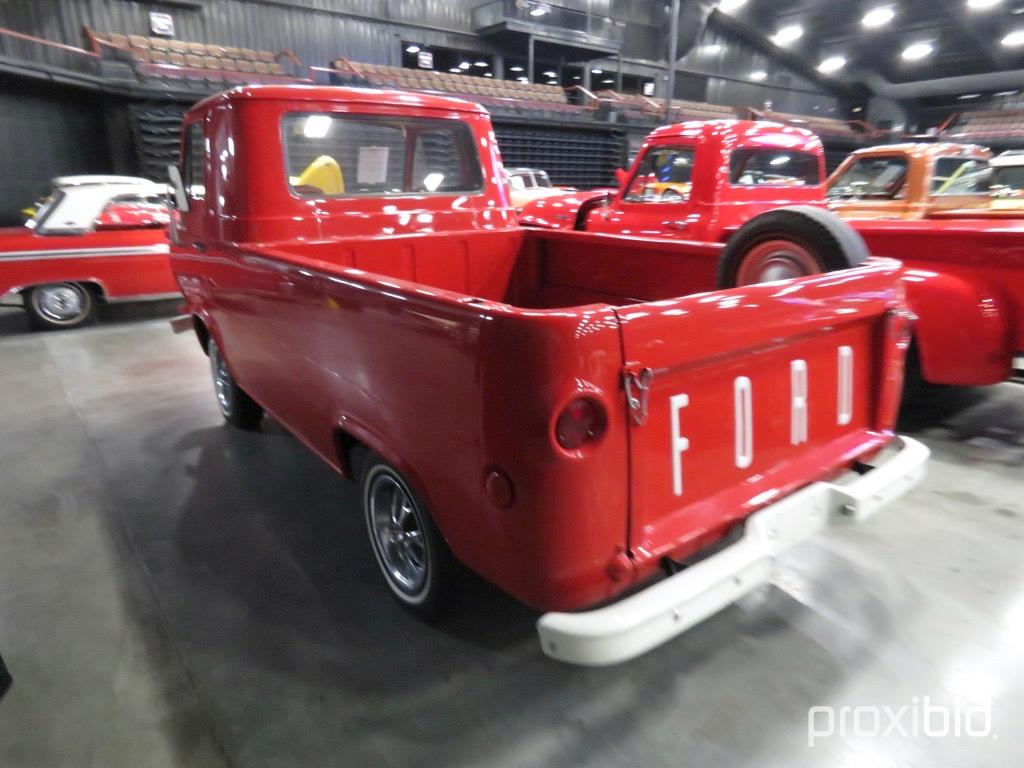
{"points": [[621, 177], [179, 197]]}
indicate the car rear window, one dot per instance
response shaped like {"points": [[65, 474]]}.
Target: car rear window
{"points": [[338, 155], [755, 167]]}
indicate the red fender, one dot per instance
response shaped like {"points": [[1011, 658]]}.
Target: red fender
{"points": [[962, 332]]}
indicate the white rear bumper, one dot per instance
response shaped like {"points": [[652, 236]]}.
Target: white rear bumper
{"points": [[646, 619]]}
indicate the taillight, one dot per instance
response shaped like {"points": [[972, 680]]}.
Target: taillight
{"points": [[583, 421]]}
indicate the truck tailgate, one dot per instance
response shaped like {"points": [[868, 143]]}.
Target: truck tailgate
{"points": [[738, 397]]}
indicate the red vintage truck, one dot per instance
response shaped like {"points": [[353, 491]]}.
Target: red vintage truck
{"points": [[575, 417], [88, 243], [965, 266]]}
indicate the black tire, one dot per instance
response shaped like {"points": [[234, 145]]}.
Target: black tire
{"points": [[832, 243], [59, 306], [915, 388], [237, 408], [428, 594]]}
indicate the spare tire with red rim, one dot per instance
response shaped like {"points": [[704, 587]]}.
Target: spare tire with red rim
{"points": [[796, 241]]}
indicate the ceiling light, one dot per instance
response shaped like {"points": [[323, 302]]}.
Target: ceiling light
{"points": [[788, 34], [456, 70], [711, 50], [552, 82], [1014, 39], [523, 79], [982, 5], [969, 96], [878, 17], [596, 71], [465, 65], [539, 10], [759, 75], [488, 74], [412, 49], [480, 64], [1005, 93], [549, 73], [831, 64], [316, 126], [918, 51], [515, 69], [728, 6], [607, 81]]}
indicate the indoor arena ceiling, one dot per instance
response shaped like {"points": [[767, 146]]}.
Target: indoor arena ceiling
{"points": [[901, 40]]}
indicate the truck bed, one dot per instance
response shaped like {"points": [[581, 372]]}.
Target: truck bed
{"points": [[528, 268]]}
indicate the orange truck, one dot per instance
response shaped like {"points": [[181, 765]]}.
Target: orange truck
{"points": [[916, 181]]}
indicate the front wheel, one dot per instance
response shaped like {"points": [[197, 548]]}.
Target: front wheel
{"points": [[237, 408], [418, 568], [789, 242], [59, 306]]}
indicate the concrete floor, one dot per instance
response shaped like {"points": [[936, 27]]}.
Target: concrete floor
{"points": [[177, 593]]}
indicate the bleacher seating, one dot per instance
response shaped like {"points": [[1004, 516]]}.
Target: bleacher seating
{"points": [[497, 95], [986, 125], [210, 65]]}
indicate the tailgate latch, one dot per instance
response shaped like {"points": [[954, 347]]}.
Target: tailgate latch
{"points": [[637, 382]]}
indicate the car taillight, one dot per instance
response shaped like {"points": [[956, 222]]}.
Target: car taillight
{"points": [[583, 421]]}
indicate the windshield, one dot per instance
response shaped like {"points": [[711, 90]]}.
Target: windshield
{"points": [[875, 177], [961, 176], [1008, 178]]}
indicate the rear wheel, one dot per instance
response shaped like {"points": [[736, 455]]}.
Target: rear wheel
{"points": [[237, 408], [58, 306], [787, 243], [418, 568]]}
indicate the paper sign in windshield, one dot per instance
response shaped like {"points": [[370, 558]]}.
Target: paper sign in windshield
{"points": [[373, 165]]}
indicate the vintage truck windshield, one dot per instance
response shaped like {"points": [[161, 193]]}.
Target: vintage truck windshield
{"points": [[875, 177], [339, 155], [754, 167]]}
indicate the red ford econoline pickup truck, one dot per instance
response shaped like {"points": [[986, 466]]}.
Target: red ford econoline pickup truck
{"points": [[575, 417]]}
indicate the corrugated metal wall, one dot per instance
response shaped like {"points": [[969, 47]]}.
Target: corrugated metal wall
{"points": [[316, 30], [371, 30]]}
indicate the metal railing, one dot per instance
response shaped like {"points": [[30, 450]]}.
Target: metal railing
{"points": [[18, 46]]}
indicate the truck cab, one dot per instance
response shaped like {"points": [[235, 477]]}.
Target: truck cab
{"points": [[698, 180], [912, 181]]}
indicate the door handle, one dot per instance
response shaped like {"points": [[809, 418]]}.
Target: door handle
{"points": [[201, 247], [678, 225]]}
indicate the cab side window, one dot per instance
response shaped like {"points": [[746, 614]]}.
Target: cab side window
{"points": [[665, 175], [961, 176], [194, 162]]}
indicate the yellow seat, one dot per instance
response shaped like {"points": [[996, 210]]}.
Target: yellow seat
{"points": [[325, 174]]}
